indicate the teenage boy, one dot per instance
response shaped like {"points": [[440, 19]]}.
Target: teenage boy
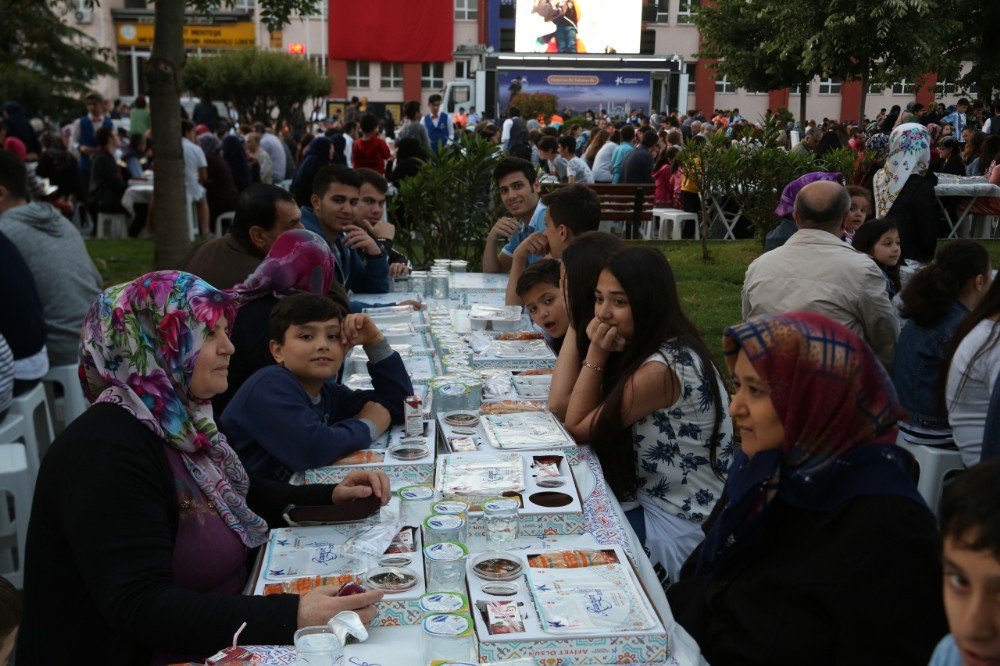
{"points": [[370, 151], [577, 170], [970, 525], [439, 129], [517, 183], [289, 417], [957, 119], [569, 212], [539, 291], [361, 264], [371, 211]]}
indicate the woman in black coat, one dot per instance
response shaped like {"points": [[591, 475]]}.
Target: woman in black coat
{"points": [[143, 518], [822, 552]]}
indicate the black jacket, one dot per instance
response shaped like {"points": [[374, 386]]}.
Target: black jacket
{"points": [[856, 587], [915, 211], [98, 574]]}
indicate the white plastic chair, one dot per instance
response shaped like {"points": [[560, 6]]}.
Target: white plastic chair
{"points": [[935, 466], [74, 402], [224, 218], [111, 225], [17, 482], [672, 221], [33, 407], [192, 218]]}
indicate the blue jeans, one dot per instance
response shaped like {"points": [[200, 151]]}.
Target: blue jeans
{"points": [[566, 39], [637, 519]]}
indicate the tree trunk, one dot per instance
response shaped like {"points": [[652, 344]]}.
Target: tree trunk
{"points": [[163, 72], [864, 99], [803, 96]]}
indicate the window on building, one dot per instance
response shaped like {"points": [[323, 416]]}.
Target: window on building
{"points": [[647, 42], [134, 4], [463, 69], [508, 9], [875, 88], [392, 76], [724, 85], [466, 10], [432, 75], [797, 90], [691, 68], [903, 87], [319, 62], [829, 86], [244, 5], [945, 87], [506, 40], [663, 11], [320, 12], [686, 9], [357, 74]]}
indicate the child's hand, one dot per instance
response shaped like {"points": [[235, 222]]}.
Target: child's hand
{"points": [[604, 336], [536, 244], [359, 329], [377, 414]]}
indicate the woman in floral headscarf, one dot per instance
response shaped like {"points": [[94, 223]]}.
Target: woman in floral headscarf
{"points": [[821, 545], [143, 515], [904, 191]]}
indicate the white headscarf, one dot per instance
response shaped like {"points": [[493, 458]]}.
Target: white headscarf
{"points": [[909, 153]]}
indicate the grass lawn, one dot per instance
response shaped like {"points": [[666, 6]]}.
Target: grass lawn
{"points": [[710, 291]]}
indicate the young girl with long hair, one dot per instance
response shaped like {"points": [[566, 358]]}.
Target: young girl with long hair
{"points": [[582, 262], [971, 368], [880, 240], [652, 403], [935, 301]]}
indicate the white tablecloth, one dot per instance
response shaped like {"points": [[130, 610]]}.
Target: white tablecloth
{"points": [[137, 193], [968, 188]]}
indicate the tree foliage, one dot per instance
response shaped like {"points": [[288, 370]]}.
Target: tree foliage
{"points": [[533, 105], [45, 62], [448, 201], [260, 85], [767, 45], [978, 42]]}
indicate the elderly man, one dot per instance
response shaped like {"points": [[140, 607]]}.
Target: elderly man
{"points": [[817, 272], [809, 141]]}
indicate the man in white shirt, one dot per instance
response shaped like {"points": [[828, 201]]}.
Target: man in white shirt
{"points": [[275, 150], [195, 173], [350, 134], [261, 158], [815, 271]]}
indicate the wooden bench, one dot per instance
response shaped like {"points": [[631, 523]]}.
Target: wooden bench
{"points": [[625, 205]]}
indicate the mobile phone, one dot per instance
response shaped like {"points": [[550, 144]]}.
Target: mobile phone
{"points": [[350, 589]]}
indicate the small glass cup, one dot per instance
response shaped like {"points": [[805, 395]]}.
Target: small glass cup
{"points": [[415, 504], [449, 637], [318, 646], [446, 566], [447, 527], [439, 285], [501, 516]]}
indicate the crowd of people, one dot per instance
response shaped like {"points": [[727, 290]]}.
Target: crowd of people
{"points": [[774, 493]]}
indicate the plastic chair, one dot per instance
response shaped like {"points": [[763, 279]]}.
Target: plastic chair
{"points": [[935, 465], [74, 402], [224, 218], [33, 407], [192, 218], [16, 482], [111, 225], [672, 223]]}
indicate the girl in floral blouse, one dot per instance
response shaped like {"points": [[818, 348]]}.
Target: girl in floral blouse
{"points": [[651, 401]]}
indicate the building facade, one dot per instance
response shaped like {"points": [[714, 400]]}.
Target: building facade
{"points": [[126, 26]]}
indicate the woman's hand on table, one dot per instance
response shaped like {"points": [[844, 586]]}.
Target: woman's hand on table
{"points": [[318, 605], [359, 484]]}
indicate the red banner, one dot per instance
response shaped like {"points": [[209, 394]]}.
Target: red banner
{"points": [[392, 30]]}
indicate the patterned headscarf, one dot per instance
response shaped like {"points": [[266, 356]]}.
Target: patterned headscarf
{"points": [[299, 261], [787, 203], [140, 341], [839, 410], [878, 145], [909, 154]]}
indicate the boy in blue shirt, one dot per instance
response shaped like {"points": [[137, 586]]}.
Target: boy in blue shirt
{"points": [[289, 417], [970, 525]]}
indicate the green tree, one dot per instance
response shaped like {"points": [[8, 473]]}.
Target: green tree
{"points": [[978, 42], [874, 41], [260, 85], [532, 105], [741, 36], [164, 72], [45, 62]]}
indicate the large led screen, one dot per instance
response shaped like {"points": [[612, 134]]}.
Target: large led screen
{"points": [[577, 26]]}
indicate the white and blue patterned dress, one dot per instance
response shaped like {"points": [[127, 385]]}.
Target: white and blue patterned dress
{"points": [[677, 485]]}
